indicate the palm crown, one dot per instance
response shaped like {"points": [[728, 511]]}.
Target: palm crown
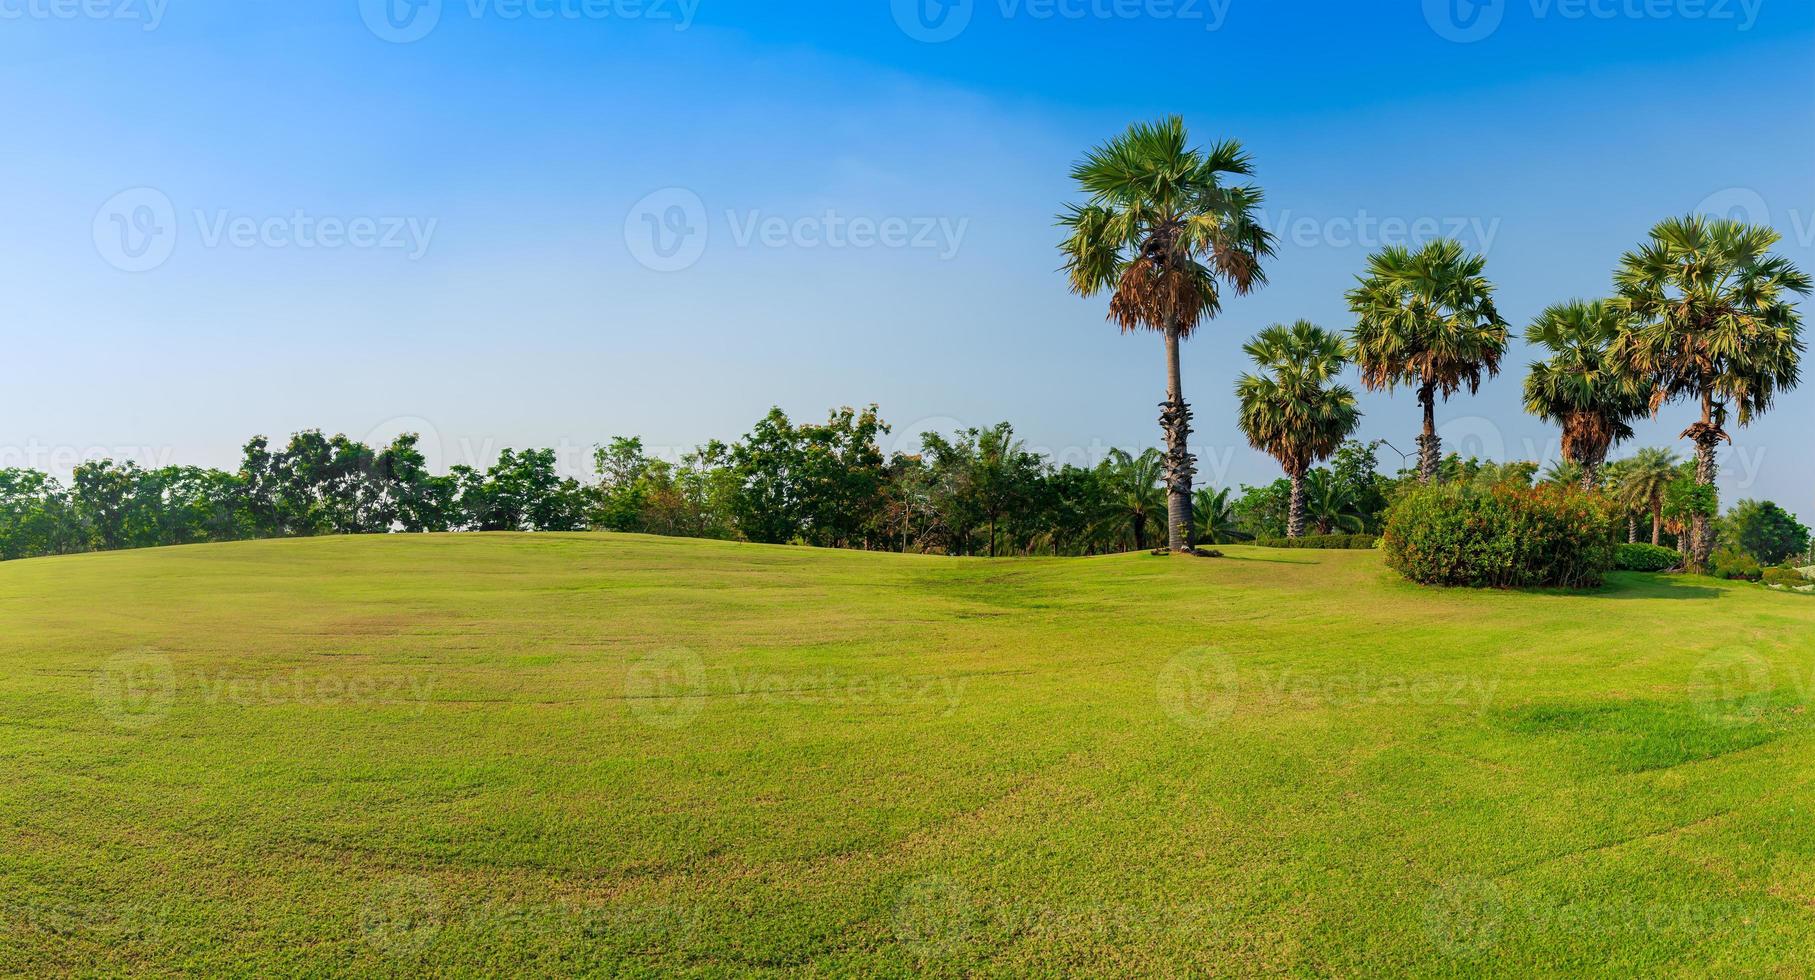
{"points": [[1162, 227], [1291, 411], [1426, 318], [1582, 386]]}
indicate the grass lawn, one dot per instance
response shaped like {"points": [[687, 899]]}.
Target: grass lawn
{"points": [[483, 754]]}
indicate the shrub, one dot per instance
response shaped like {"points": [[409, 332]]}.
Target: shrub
{"points": [[1646, 558], [1785, 576], [1336, 541], [1500, 536], [1729, 562]]}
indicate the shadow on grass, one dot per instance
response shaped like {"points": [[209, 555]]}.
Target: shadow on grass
{"points": [[1650, 585]]}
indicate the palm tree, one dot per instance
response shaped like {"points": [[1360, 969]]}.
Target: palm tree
{"points": [[1165, 234], [1643, 478], [1136, 498], [1564, 473], [1291, 411], [1714, 321], [1582, 386], [1331, 504], [1426, 319], [1214, 514]]}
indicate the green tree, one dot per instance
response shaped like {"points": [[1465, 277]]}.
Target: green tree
{"points": [[1137, 499], [1426, 320], [1582, 386], [1765, 531], [1214, 512], [1291, 410], [1643, 479], [1714, 321], [1330, 504], [1165, 232]]}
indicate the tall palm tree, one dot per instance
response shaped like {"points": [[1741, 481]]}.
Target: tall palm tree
{"points": [[1426, 319], [1291, 411], [1331, 504], [1643, 478], [1582, 386], [1137, 500], [1715, 321], [1165, 233], [1214, 514]]}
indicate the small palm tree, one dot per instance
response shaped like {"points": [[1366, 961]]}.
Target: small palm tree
{"points": [[1564, 473], [1582, 386], [1426, 319], [1291, 411], [1137, 501], [1643, 479], [1165, 233], [1214, 513], [1331, 504], [1715, 321]]}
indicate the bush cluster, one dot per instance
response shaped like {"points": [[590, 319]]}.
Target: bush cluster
{"points": [[1500, 536], [1731, 563], [1646, 558], [1785, 576], [1340, 542]]}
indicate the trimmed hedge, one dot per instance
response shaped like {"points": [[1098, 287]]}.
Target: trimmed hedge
{"points": [[1341, 542], [1646, 558], [1501, 536]]}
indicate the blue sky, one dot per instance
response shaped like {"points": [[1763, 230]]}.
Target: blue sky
{"points": [[236, 217]]}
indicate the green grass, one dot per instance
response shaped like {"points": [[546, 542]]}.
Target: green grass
{"points": [[565, 754]]}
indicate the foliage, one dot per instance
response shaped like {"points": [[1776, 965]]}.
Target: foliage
{"points": [[1339, 542], [1215, 517], [1426, 319], [1465, 534], [1292, 410], [1787, 577], [1646, 558], [1729, 562], [1765, 531], [1582, 386]]}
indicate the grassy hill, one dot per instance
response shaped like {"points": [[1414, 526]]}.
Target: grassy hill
{"points": [[605, 753]]}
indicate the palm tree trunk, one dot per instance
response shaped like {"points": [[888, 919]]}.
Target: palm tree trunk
{"points": [[1657, 522], [1707, 437], [1591, 474], [1175, 420], [1430, 448], [1632, 527], [1295, 514]]}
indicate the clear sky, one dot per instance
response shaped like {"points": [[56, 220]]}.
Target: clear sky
{"points": [[546, 222]]}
